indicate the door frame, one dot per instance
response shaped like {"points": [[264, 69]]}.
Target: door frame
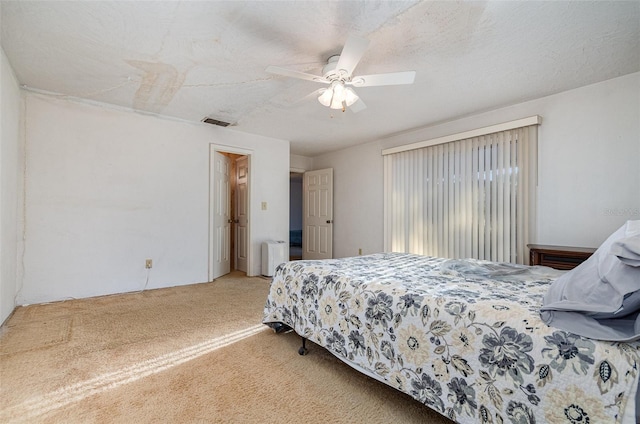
{"points": [[239, 151]]}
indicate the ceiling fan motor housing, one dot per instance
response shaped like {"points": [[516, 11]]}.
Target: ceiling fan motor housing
{"points": [[330, 72]]}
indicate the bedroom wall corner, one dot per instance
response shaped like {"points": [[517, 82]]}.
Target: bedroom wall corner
{"points": [[10, 182], [301, 163]]}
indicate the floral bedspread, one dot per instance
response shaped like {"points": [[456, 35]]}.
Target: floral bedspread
{"points": [[463, 337]]}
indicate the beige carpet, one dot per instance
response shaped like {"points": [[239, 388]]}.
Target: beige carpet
{"points": [[190, 354]]}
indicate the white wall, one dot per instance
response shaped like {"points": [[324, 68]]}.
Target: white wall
{"points": [[107, 188], [589, 167], [10, 181]]}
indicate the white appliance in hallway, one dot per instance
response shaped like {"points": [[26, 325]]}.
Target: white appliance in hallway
{"points": [[273, 254]]}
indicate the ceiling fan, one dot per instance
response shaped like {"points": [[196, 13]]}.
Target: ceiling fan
{"points": [[338, 74]]}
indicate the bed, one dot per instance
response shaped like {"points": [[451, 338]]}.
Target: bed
{"points": [[464, 337]]}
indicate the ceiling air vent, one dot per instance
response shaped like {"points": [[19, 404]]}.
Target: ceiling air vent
{"points": [[212, 121]]}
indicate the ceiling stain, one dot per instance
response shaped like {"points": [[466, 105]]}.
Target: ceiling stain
{"points": [[445, 29], [160, 83]]}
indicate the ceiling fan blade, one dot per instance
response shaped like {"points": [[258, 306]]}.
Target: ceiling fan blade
{"points": [[358, 106], [393, 78], [295, 74], [351, 54], [312, 95]]}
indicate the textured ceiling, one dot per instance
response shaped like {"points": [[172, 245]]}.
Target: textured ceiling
{"points": [[194, 59]]}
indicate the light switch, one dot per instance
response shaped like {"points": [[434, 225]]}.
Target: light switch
{"points": [[264, 206]]}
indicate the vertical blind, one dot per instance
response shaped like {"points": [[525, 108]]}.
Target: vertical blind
{"points": [[471, 198]]}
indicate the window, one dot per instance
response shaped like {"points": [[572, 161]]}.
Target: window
{"points": [[469, 198]]}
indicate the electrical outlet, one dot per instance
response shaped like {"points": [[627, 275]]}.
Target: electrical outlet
{"points": [[148, 263], [264, 206]]}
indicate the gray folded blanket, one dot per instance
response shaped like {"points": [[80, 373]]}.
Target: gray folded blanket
{"points": [[600, 298]]}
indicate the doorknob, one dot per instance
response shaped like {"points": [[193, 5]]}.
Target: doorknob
{"points": [[329, 221], [230, 221]]}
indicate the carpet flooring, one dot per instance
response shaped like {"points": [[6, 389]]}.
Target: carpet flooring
{"points": [[188, 354]]}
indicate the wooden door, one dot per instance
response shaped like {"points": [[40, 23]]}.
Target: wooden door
{"points": [[241, 213]]}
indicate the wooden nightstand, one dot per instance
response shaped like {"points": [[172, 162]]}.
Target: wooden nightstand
{"points": [[559, 257]]}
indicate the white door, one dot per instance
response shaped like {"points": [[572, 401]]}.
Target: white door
{"points": [[317, 196], [241, 211], [221, 216]]}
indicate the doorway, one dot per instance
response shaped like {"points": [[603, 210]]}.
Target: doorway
{"points": [[229, 233], [295, 215]]}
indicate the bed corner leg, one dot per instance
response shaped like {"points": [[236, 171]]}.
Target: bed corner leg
{"points": [[303, 349]]}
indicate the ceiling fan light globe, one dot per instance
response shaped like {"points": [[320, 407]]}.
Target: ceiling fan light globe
{"points": [[325, 97], [339, 95], [336, 103], [350, 96]]}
